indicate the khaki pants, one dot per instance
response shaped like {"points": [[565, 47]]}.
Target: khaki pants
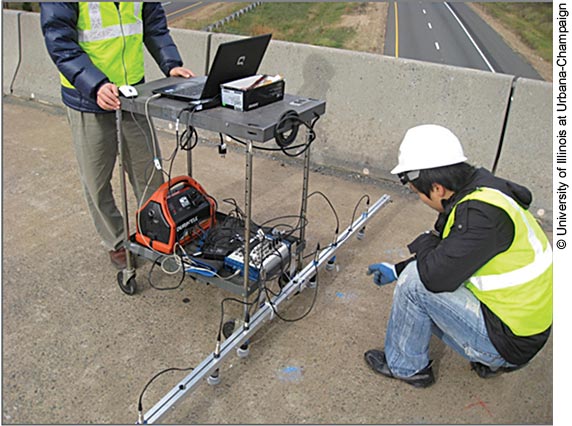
{"points": [[95, 143]]}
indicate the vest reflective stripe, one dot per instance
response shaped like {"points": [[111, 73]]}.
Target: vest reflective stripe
{"points": [[98, 32], [113, 40], [516, 284], [110, 32], [542, 259]]}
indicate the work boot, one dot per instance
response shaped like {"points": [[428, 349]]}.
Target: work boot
{"points": [[118, 258], [376, 360], [485, 372]]}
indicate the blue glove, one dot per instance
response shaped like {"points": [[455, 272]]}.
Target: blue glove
{"points": [[383, 273]]}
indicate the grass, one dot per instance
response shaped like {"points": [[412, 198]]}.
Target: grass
{"points": [[208, 14], [308, 23], [532, 22], [27, 6], [319, 23]]}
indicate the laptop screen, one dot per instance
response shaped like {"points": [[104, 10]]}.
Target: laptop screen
{"points": [[233, 60]]}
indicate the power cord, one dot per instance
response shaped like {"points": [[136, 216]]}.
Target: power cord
{"points": [[140, 403], [286, 128], [305, 314], [288, 122], [286, 131]]}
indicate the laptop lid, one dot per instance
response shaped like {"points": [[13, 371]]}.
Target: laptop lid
{"points": [[233, 60]]}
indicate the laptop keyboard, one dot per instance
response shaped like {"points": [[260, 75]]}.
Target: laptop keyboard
{"points": [[193, 91]]}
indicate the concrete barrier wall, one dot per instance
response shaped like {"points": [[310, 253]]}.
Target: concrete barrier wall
{"points": [[371, 101], [10, 47], [526, 154], [192, 47], [37, 76]]}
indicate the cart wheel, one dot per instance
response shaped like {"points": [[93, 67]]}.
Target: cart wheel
{"points": [[129, 287], [228, 328]]}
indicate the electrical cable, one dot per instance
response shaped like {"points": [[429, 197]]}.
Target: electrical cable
{"points": [[311, 134], [315, 263], [331, 206], [296, 228], [124, 66], [151, 145], [228, 299], [366, 196], [165, 288], [285, 141], [237, 208], [261, 148], [286, 128], [140, 402]]}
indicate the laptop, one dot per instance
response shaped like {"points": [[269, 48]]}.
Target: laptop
{"points": [[233, 60]]}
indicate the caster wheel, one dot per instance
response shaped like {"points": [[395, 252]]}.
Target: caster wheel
{"points": [[129, 287]]}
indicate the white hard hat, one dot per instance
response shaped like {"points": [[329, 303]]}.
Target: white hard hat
{"points": [[428, 146]]}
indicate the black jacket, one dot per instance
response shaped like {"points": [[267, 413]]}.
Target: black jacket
{"points": [[59, 22], [480, 232]]}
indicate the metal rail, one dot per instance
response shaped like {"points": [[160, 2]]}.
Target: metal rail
{"points": [[266, 312]]}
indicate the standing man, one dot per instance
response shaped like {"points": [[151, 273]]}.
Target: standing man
{"points": [[481, 281], [98, 47]]}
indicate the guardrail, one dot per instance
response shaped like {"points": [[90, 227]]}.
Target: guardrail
{"points": [[232, 16], [371, 101]]}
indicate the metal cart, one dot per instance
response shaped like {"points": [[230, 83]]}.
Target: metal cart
{"points": [[252, 126], [256, 126]]}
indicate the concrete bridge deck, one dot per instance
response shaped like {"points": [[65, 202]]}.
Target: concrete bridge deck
{"points": [[76, 350]]}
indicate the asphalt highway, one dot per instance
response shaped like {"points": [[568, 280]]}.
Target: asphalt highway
{"points": [[444, 33], [451, 34], [176, 9]]}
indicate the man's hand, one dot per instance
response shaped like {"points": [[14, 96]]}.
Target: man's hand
{"points": [[181, 72], [108, 97], [383, 273]]}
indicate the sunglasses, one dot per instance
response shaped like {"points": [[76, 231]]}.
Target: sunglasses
{"points": [[407, 177]]}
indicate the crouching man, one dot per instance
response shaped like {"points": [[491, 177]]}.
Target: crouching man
{"points": [[481, 281]]}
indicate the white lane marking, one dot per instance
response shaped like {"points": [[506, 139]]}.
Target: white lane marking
{"points": [[424, 12], [470, 38], [429, 25], [436, 45]]}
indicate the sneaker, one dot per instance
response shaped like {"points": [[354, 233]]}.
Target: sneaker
{"points": [[485, 372], [118, 258], [376, 360]]}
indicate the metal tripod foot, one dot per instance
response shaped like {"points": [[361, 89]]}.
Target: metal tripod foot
{"points": [[213, 379], [243, 351], [331, 264]]}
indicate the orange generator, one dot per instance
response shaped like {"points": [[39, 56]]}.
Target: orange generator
{"points": [[178, 212]]}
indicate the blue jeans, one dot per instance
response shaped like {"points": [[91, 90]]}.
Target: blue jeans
{"points": [[416, 313]]}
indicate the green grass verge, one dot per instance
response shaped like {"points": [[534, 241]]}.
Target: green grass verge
{"points": [[194, 23], [309, 23], [532, 22]]}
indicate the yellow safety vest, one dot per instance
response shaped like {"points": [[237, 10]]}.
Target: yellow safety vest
{"points": [[113, 39], [516, 284]]}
